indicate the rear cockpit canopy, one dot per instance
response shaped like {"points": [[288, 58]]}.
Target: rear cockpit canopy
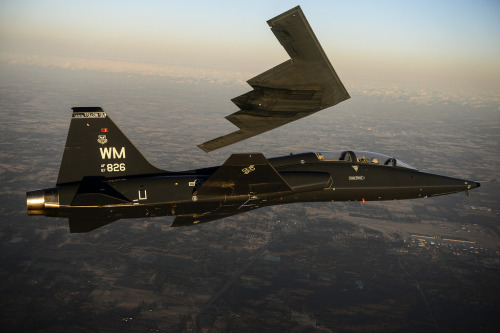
{"points": [[361, 157]]}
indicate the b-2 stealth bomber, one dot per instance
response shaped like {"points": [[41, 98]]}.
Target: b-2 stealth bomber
{"points": [[297, 88], [103, 177]]}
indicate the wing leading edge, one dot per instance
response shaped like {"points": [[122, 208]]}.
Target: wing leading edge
{"points": [[299, 87]]}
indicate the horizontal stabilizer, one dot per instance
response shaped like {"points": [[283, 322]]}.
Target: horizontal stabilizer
{"points": [[244, 174], [86, 224], [299, 87], [94, 192]]}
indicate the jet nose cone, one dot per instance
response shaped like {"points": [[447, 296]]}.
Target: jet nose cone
{"points": [[433, 185]]}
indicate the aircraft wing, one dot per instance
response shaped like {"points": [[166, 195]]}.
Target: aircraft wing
{"points": [[243, 174], [301, 86], [220, 213], [247, 176]]}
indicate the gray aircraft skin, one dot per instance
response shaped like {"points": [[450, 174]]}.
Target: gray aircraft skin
{"points": [[104, 178], [297, 88]]}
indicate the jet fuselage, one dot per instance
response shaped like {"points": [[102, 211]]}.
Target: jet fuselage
{"points": [[307, 177]]}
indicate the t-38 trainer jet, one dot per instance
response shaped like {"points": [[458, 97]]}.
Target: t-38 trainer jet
{"points": [[104, 178]]}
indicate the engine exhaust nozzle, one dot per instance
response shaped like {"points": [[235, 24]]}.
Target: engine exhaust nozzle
{"points": [[40, 201]]}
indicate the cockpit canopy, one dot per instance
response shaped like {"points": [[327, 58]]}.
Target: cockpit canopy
{"points": [[361, 157]]}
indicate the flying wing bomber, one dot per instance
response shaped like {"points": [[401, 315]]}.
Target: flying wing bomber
{"points": [[103, 177], [297, 88]]}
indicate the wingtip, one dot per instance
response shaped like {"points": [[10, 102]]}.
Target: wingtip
{"points": [[204, 148], [226, 140]]}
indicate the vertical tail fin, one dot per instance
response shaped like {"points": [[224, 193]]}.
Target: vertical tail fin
{"points": [[96, 147]]}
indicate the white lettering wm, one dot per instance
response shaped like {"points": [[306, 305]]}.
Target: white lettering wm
{"points": [[112, 152]]}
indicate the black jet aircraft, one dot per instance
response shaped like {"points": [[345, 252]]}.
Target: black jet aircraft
{"points": [[104, 178]]}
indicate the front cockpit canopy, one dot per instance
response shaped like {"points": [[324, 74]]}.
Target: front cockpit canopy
{"points": [[361, 157]]}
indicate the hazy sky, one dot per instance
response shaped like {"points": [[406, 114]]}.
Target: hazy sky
{"points": [[427, 42]]}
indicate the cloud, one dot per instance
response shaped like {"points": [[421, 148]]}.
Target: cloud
{"points": [[193, 75], [180, 73], [406, 93]]}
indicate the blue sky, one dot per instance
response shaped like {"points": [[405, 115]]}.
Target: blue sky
{"points": [[422, 42]]}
